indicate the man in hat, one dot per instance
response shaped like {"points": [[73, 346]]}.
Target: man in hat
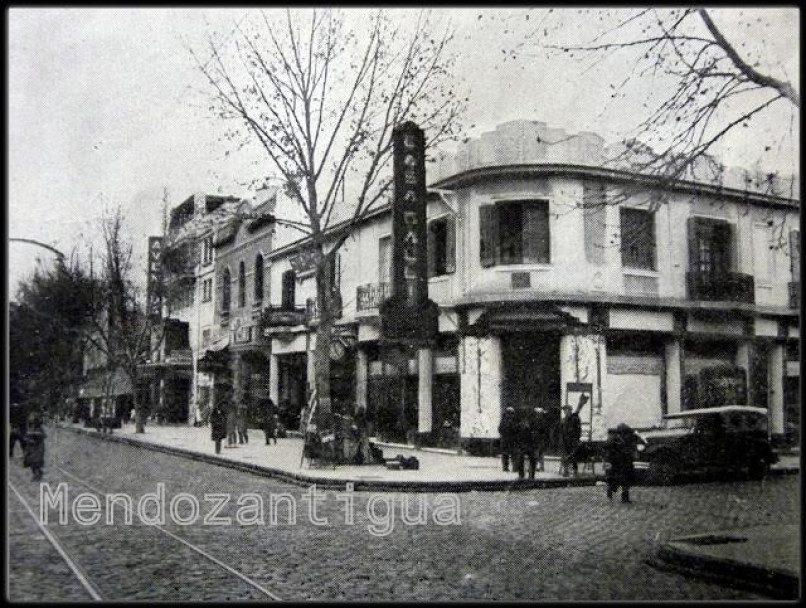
{"points": [[539, 427], [570, 436], [507, 429]]}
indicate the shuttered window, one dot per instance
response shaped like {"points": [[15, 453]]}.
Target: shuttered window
{"points": [[794, 254], [384, 259], [638, 239], [441, 247], [289, 289], [241, 285], [258, 278], [710, 245], [515, 232], [226, 287]]}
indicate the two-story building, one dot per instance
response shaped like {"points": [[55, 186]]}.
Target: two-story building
{"points": [[556, 275]]}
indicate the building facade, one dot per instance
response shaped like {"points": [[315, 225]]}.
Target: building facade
{"points": [[557, 276]]}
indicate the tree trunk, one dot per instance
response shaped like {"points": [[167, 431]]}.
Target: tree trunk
{"points": [[139, 420], [324, 299]]}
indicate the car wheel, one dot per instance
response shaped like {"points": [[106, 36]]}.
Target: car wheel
{"points": [[758, 469], [661, 472]]}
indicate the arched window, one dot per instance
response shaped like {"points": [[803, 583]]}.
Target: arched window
{"points": [[259, 278], [226, 287], [241, 285]]}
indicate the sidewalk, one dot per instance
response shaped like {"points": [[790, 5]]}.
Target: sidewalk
{"points": [[439, 471], [765, 559]]}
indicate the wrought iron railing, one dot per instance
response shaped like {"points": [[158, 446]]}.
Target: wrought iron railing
{"points": [[370, 296], [730, 286]]}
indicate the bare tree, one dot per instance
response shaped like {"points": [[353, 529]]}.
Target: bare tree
{"points": [[321, 98], [121, 329], [716, 89]]}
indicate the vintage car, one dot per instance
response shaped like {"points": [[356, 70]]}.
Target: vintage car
{"points": [[716, 442]]}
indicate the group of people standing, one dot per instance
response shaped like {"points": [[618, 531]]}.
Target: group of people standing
{"points": [[228, 420], [525, 436]]}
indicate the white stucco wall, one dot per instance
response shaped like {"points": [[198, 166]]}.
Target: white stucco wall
{"points": [[480, 380]]}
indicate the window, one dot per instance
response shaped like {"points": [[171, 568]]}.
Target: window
{"points": [[638, 239], [335, 272], [710, 246], [205, 337], [384, 259], [207, 250], [515, 232], [441, 247], [258, 279], [207, 290], [226, 290], [794, 254], [241, 285], [289, 288]]}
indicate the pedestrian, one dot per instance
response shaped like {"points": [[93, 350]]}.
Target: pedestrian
{"points": [[507, 430], [622, 444], [270, 420], [240, 421], [218, 425], [540, 435], [19, 425], [570, 436], [524, 448], [34, 449], [133, 416]]}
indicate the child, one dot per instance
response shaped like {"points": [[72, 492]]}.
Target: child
{"points": [[35, 447]]}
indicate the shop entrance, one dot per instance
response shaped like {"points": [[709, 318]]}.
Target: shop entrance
{"points": [[531, 366]]}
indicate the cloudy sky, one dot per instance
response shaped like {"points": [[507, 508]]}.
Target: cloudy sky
{"points": [[106, 106]]}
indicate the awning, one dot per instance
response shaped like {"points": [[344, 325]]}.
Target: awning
{"points": [[526, 318]]}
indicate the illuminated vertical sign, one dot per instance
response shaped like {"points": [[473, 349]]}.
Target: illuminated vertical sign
{"points": [[409, 250], [154, 278]]}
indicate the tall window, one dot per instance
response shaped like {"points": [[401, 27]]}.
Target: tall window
{"points": [[289, 289], [794, 254], [207, 290], [241, 285], [638, 238], [441, 247], [384, 259], [258, 278], [207, 250], [515, 232], [226, 291], [710, 246]]}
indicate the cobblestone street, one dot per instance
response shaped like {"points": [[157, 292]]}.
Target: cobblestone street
{"points": [[556, 544]]}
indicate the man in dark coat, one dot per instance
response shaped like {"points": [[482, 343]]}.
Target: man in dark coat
{"points": [[218, 425], [19, 426], [524, 446], [35, 447], [270, 419], [570, 436], [622, 444], [507, 430]]}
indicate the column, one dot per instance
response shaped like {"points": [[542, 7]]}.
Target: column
{"points": [[776, 367], [425, 358], [361, 378], [744, 359], [480, 369], [274, 378], [674, 376]]}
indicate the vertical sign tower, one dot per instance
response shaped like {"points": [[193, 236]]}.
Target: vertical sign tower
{"points": [[408, 317], [154, 278]]}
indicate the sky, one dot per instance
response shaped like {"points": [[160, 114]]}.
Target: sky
{"points": [[106, 107]]}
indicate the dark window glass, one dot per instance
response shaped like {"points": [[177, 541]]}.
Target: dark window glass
{"points": [[241, 285], [638, 239], [289, 288], [226, 289], [259, 278]]}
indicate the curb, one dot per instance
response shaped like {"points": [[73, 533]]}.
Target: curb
{"points": [[775, 583], [357, 485]]}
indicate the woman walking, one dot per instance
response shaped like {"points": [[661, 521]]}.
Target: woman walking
{"points": [[35, 447]]}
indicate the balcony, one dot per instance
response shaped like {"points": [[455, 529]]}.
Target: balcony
{"points": [[725, 286], [794, 294], [312, 308], [179, 356], [369, 297]]}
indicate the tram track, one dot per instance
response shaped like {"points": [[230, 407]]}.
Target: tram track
{"points": [[111, 563]]}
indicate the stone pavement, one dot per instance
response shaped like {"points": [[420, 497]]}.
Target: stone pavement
{"points": [[761, 558], [439, 470]]}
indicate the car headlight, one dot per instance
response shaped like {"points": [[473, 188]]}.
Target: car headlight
{"points": [[641, 447]]}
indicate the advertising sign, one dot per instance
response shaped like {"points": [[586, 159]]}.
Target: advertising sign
{"points": [[154, 278]]}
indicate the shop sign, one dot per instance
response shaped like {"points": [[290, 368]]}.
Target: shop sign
{"points": [[154, 276], [243, 334]]}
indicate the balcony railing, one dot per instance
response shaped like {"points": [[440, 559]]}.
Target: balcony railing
{"points": [[725, 286], [181, 356], [369, 297], [312, 308], [794, 294]]}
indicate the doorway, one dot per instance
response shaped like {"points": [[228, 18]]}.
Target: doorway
{"points": [[531, 371]]}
